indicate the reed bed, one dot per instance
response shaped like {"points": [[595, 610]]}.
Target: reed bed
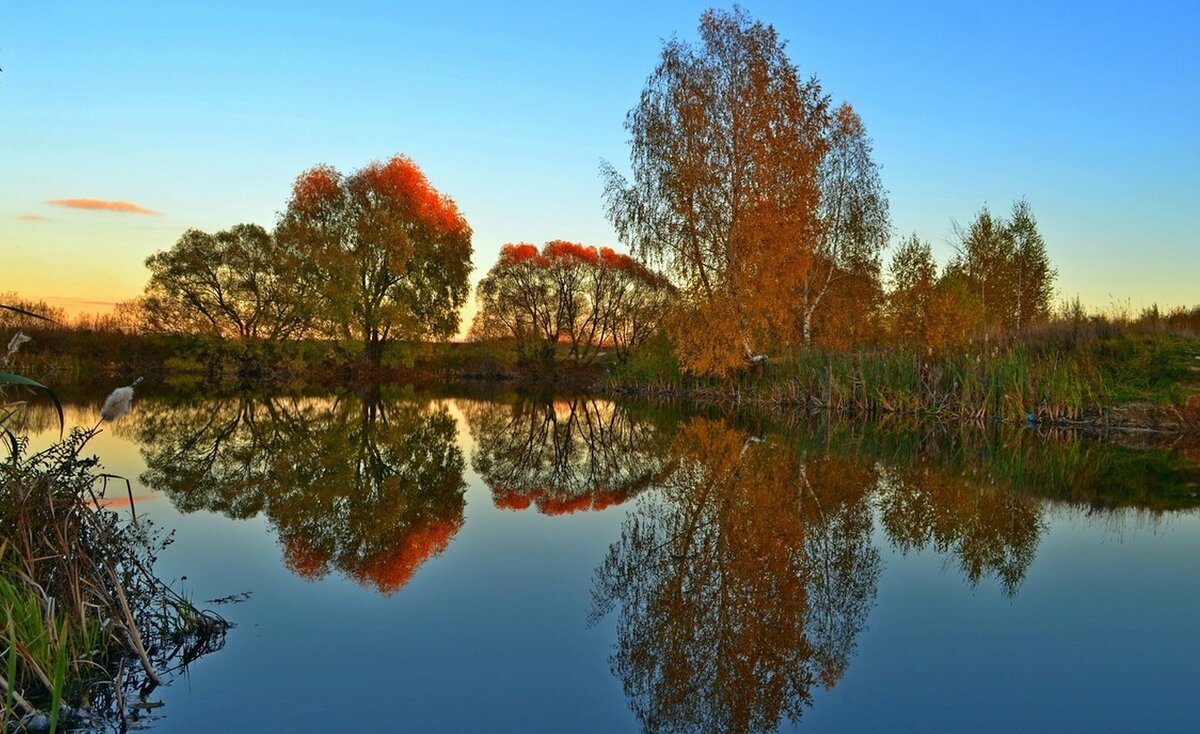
{"points": [[87, 623], [1063, 373], [1011, 384], [88, 628]]}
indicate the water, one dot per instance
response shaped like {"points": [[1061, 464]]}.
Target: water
{"points": [[432, 562]]}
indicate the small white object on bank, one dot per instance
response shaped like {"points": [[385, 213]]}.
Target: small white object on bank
{"points": [[15, 343], [118, 402]]}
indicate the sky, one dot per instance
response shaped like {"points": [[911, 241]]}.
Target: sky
{"points": [[124, 124]]}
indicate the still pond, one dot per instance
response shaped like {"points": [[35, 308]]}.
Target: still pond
{"points": [[405, 560]]}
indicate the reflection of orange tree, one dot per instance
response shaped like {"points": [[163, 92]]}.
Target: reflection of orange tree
{"points": [[563, 456], [741, 584], [370, 487]]}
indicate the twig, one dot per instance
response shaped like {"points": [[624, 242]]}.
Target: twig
{"points": [[131, 631], [29, 709]]}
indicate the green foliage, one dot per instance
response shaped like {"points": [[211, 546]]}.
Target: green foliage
{"points": [[1004, 263], [242, 282], [654, 362], [368, 484], [391, 253]]}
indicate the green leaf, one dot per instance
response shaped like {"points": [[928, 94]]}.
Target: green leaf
{"points": [[11, 439], [7, 379]]}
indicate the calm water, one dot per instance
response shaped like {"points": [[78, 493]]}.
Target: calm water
{"points": [[508, 564]]}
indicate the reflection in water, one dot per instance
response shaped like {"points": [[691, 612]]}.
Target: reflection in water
{"points": [[566, 455], [991, 532], [747, 565], [369, 487], [741, 585]]}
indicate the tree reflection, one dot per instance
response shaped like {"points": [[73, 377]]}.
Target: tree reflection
{"points": [[564, 456], [992, 531], [741, 585], [369, 487]]}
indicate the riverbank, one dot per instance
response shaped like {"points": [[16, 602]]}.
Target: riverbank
{"points": [[1123, 381], [89, 629], [1104, 376]]}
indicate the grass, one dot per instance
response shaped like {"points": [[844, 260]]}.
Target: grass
{"points": [[85, 618], [1060, 373]]}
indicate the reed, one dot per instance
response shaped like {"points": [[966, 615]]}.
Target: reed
{"points": [[1057, 374], [85, 617]]}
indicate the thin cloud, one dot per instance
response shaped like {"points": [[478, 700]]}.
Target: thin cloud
{"points": [[33, 218], [102, 205]]}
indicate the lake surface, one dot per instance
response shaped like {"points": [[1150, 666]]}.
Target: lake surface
{"points": [[504, 563]]}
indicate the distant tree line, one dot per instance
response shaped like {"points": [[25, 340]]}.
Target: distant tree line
{"points": [[753, 209]]}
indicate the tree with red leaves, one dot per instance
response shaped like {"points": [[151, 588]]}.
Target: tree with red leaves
{"points": [[393, 252], [585, 298]]}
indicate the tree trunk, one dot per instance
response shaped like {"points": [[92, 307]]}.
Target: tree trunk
{"points": [[373, 350]]}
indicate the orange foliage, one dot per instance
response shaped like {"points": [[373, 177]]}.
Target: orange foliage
{"points": [[510, 499], [564, 249], [404, 181], [315, 185], [391, 569], [554, 503], [617, 260], [564, 505], [515, 252], [849, 123], [305, 561]]}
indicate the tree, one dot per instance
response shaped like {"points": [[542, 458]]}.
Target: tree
{"points": [[1033, 276], [984, 252], [991, 531], [1004, 263], [17, 313], [565, 456], [725, 149], [392, 252], [956, 316], [585, 297], [854, 221], [741, 585], [370, 485], [914, 277], [241, 283]]}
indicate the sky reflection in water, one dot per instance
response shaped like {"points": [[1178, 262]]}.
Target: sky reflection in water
{"points": [[501, 563]]}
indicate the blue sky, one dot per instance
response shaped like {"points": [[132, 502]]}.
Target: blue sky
{"points": [[205, 112]]}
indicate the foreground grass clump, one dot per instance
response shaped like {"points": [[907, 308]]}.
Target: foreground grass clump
{"points": [[86, 623]]}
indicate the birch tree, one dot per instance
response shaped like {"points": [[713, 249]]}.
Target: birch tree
{"points": [[726, 143], [854, 223]]}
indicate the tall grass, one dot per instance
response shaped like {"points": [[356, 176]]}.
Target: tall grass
{"points": [[1010, 383], [1075, 368], [85, 618]]}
